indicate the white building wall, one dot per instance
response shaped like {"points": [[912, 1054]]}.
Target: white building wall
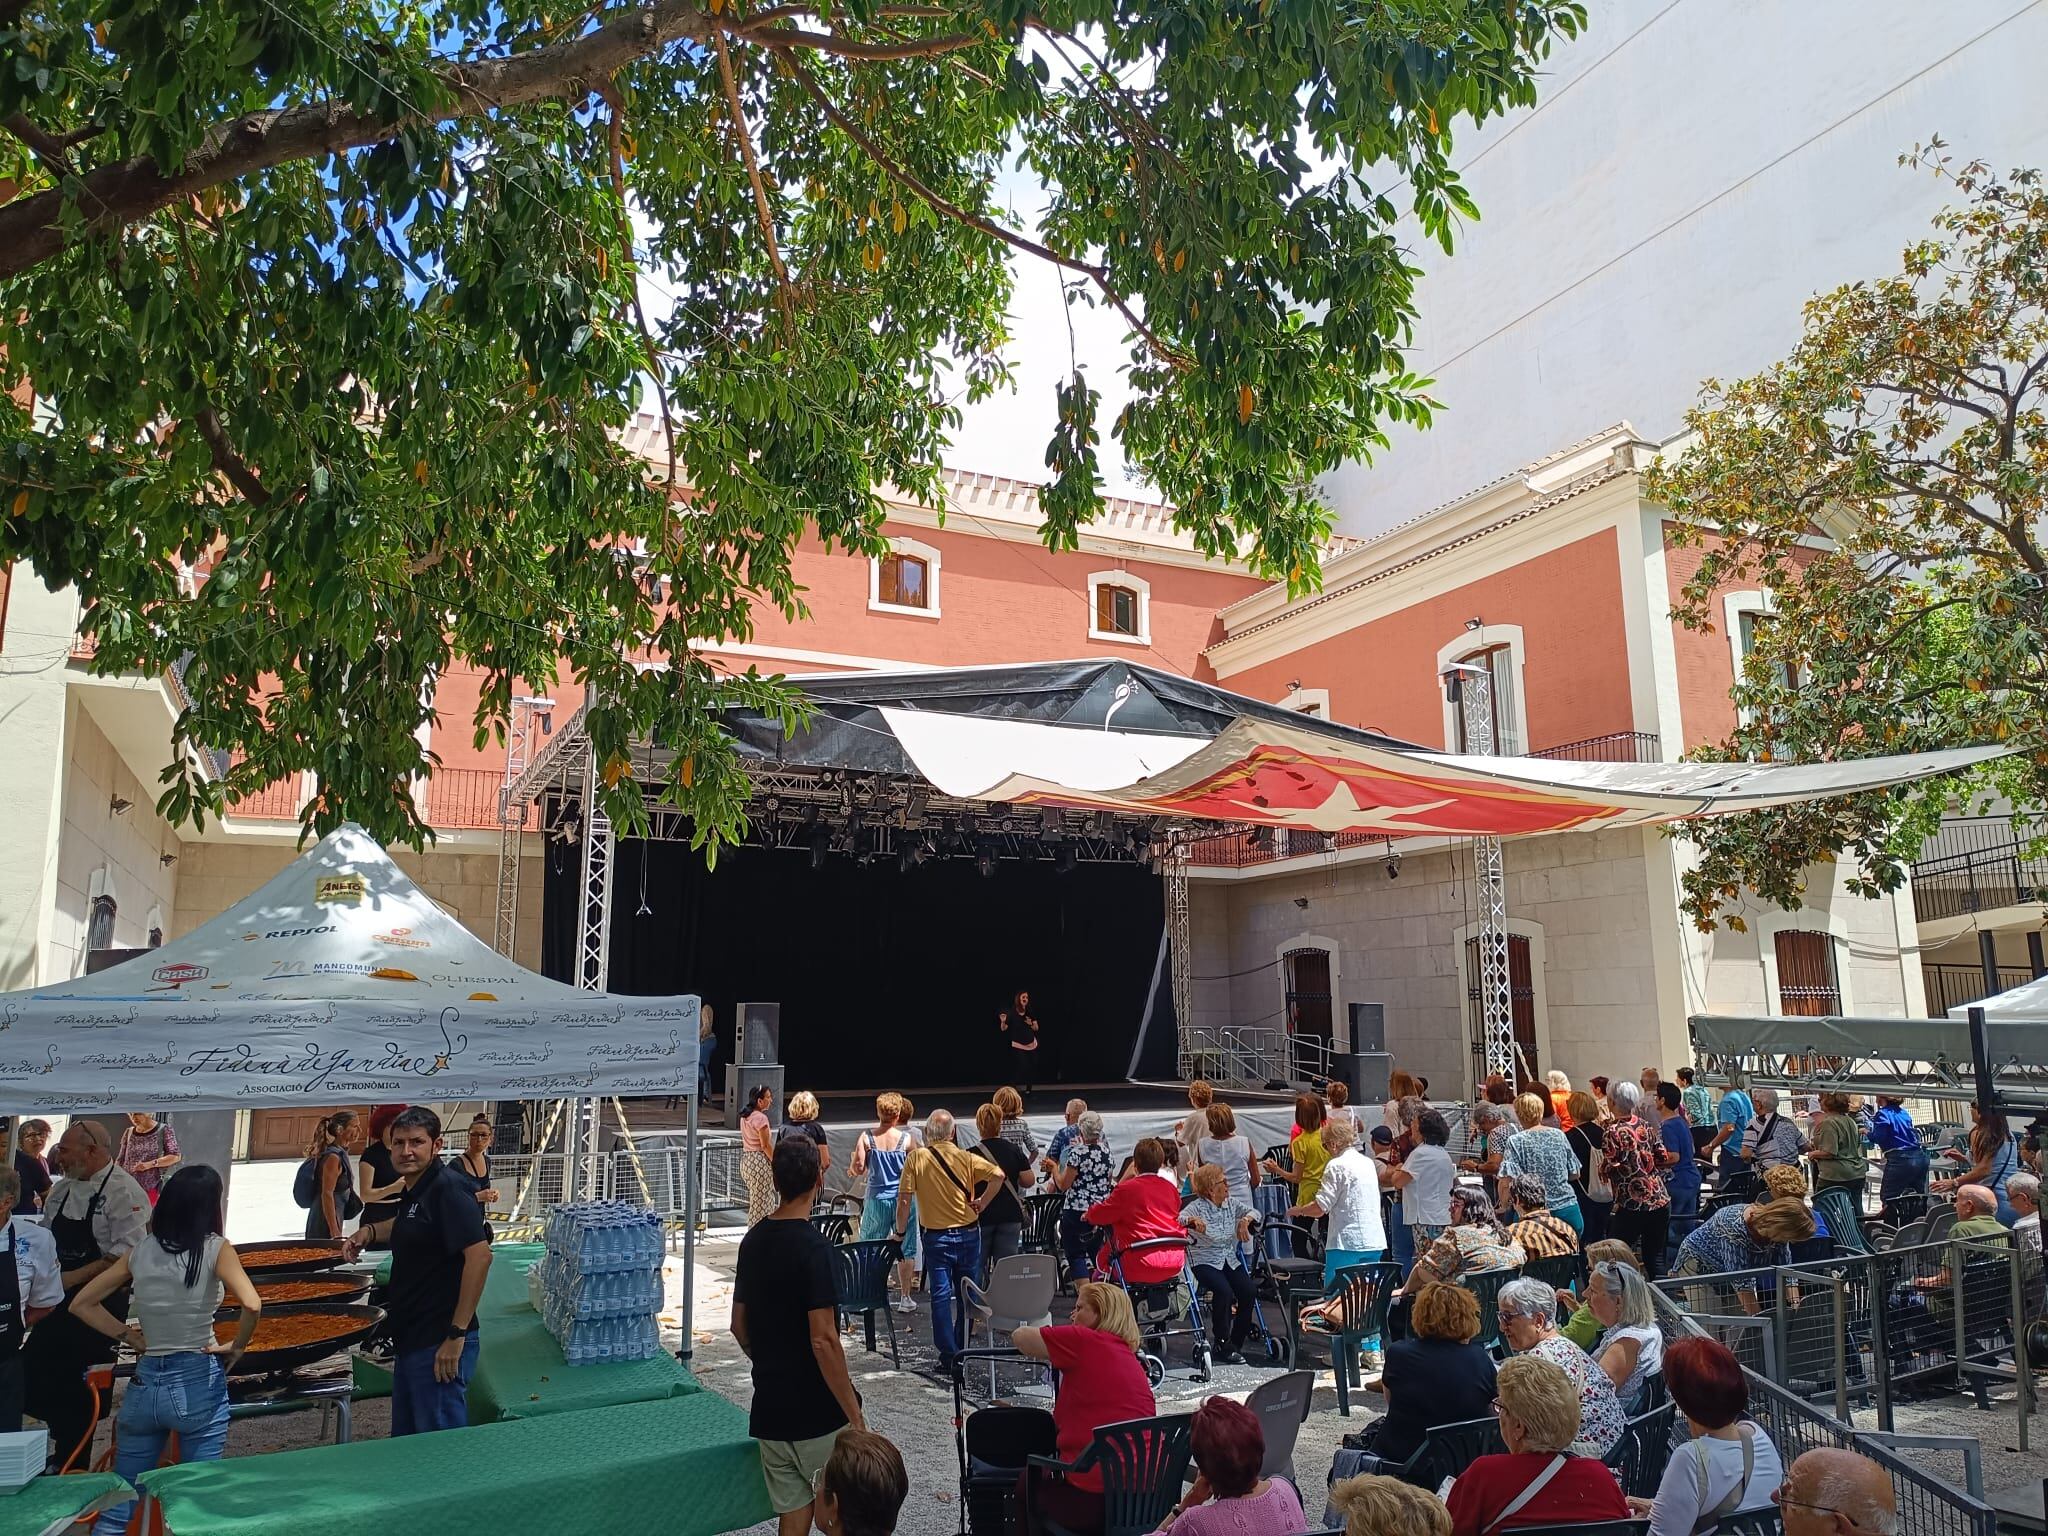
{"points": [[40, 626], [1690, 175], [1581, 898], [125, 850]]}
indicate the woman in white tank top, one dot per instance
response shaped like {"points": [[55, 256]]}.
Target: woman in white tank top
{"points": [[178, 1274]]}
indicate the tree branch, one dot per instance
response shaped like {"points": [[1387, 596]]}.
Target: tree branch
{"points": [[847, 48], [227, 460], [761, 210], [48, 148], [1168, 354], [117, 195]]}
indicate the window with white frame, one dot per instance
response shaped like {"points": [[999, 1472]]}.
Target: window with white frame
{"points": [[1499, 649], [905, 579], [1750, 617], [1119, 607], [1313, 702]]}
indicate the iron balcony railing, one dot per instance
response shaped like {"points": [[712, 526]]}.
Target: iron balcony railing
{"points": [[1980, 864], [1957, 986], [1246, 847]]}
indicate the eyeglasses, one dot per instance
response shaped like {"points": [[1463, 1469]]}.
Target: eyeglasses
{"points": [[1782, 1497]]}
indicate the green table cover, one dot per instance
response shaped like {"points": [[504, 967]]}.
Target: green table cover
{"points": [[54, 1502], [520, 1372], [683, 1466]]}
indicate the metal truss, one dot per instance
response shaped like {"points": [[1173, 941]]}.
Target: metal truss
{"points": [[1946, 1073], [1179, 954], [1496, 995]]}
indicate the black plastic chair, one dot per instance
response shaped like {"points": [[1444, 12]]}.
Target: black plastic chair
{"points": [[1143, 1463], [1561, 1272], [1448, 1450], [860, 1283], [1485, 1288], [1637, 1459], [835, 1226]]}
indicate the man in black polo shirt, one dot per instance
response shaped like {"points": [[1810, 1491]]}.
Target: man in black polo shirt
{"points": [[785, 1317], [440, 1252]]}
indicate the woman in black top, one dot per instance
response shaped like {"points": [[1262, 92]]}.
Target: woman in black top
{"points": [[29, 1142], [1002, 1223], [1440, 1376], [802, 1120], [472, 1166], [1586, 1136], [1020, 1033], [380, 1181]]}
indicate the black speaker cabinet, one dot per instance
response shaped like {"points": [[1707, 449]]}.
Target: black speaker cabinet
{"points": [[1368, 1026], [740, 1082], [1365, 1073], [760, 1034]]}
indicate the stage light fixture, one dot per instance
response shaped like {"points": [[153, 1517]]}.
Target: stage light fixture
{"points": [[1393, 861]]}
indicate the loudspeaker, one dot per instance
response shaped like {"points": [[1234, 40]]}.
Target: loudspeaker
{"points": [[1368, 1026], [760, 1034], [741, 1079], [1365, 1073]]}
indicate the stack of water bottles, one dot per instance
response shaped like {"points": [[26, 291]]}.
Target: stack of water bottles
{"points": [[600, 1283]]}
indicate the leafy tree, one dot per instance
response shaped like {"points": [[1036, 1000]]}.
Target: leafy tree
{"points": [[1910, 428], [344, 301]]}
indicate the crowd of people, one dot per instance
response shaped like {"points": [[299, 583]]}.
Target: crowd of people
{"points": [[121, 1243]]}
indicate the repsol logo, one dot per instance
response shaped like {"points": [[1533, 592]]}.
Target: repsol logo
{"points": [[298, 933]]}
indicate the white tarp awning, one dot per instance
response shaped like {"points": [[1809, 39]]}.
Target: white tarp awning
{"points": [[2026, 1003], [1259, 770], [338, 982]]}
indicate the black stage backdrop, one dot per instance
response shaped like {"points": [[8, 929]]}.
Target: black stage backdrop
{"points": [[887, 977]]}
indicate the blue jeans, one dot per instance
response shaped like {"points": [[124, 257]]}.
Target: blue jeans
{"points": [[951, 1255], [418, 1402], [1402, 1236], [185, 1395]]}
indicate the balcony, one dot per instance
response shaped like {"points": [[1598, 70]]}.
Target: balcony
{"points": [[1957, 986], [454, 800], [1979, 864], [1247, 848]]}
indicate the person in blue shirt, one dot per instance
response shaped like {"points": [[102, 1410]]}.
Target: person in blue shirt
{"points": [[1893, 1133], [1682, 1178], [1733, 1117]]}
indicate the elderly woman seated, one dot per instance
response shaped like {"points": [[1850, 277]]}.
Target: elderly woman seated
{"points": [[1729, 1464], [1370, 1505], [1439, 1376], [1472, 1244], [1631, 1344], [1229, 1498], [1539, 1233], [1542, 1480], [1101, 1382], [1528, 1320]]}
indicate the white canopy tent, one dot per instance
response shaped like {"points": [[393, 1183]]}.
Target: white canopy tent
{"points": [[2026, 1003], [338, 982]]}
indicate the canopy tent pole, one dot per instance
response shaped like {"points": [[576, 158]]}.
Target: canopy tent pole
{"points": [[691, 1179], [1471, 689]]}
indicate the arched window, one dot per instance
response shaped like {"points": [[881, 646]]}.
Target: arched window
{"points": [[1119, 607], [905, 579]]}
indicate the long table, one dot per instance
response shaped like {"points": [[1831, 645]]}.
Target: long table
{"points": [[520, 1372], [683, 1466], [52, 1503]]}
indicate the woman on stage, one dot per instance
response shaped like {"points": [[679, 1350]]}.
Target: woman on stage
{"points": [[1020, 1030]]}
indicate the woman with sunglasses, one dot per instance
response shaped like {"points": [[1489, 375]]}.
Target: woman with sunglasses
{"points": [[1730, 1465]]}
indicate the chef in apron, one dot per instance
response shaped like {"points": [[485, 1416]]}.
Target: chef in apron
{"points": [[96, 1213], [30, 1286]]}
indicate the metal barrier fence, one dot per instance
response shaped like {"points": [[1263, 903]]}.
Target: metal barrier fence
{"points": [[1860, 1328], [1928, 1505], [654, 1171]]}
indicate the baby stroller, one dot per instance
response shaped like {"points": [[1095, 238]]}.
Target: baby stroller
{"points": [[1164, 1308], [994, 1444]]}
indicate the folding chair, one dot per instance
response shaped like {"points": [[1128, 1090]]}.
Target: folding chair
{"points": [[1281, 1404], [1019, 1295]]}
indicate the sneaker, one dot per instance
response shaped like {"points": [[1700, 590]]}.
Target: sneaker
{"points": [[1371, 1360], [1228, 1357], [904, 1304]]}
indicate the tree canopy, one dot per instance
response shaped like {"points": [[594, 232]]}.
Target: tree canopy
{"points": [[1886, 487], [348, 304]]}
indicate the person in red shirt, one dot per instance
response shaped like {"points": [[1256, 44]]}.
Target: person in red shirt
{"points": [[1101, 1382], [1538, 1482], [1141, 1208]]}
